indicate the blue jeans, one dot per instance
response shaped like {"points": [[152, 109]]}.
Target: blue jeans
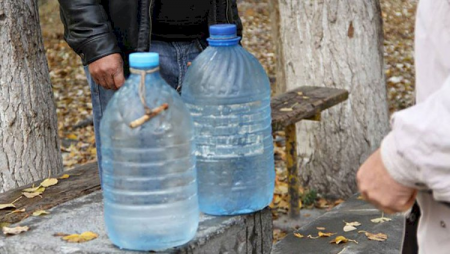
{"points": [[174, 58]]}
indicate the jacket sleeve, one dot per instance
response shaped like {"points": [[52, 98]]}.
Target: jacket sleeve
{"points": [[87, 29], [417, 151]]}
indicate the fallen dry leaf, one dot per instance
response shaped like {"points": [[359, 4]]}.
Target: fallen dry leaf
{"points": [[286, 109], [32, 189], [348, 228], [380, 220], [321, 228], [49, 182], [354, 223], [17, 211], [5, 206], [298, 235], [40, 213], [380, 237], [72, 136], [321, 234], [31, 194], [342, 239], [84, 237], [14, 231], [65, 176]]}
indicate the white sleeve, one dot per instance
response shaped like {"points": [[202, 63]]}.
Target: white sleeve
{"points": [[417, 151]]}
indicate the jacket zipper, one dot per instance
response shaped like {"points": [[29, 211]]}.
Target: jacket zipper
{"points": [[150, 23], [228, 11]]}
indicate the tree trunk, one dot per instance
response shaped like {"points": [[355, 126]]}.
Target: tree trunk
{"points": [[29, 148], [335, 44]]}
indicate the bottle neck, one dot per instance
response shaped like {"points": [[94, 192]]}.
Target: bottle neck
{"points": [[225, 42], [144, 70]]}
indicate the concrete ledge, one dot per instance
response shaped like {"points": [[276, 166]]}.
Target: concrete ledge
{"points": [[238, 234], [349, 211]]}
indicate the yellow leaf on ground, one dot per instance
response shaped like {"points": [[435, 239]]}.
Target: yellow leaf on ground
{"points": [[40, 212], [93, 151], [65, 176], [298, 235], [14, 231], [380, 237], [72, 136], [33, 189], [5, 206], [354, 224], [321, 234], [49, 182], [17, 211], [342, 239], [380, 220], [321, 228], [339, 239], [348, 228], [84, 237], [31, 194]]}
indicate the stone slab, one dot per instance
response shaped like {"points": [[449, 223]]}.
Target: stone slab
{"points": [[349, 211], [237, 234]]}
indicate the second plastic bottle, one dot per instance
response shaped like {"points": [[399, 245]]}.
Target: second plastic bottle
{"points": [[228, 94]]}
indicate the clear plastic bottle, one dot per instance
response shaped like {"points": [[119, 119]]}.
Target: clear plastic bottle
{"points": [[228, 94], [149, 176]]}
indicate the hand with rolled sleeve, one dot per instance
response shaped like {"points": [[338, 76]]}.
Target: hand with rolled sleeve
{"points": [[414, 156], [380, 189]]}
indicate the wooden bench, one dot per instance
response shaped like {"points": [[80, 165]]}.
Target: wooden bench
{"points": [[246, 234], [303, 103]]}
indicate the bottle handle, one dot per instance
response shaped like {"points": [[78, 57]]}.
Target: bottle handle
{"points": [[149, 113]]}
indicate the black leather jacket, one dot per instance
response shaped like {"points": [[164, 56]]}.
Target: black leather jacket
{"points": [[97, 28]]}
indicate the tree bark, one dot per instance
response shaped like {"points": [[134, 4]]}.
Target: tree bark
{"points": [[29, 148], [337, 44]]}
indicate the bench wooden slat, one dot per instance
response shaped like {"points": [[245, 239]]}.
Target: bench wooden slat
{"points": [[306, 102], [83, 180]]}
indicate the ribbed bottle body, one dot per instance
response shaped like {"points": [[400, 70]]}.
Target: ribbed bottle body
{"points": [[149, 175], [228, 95]]}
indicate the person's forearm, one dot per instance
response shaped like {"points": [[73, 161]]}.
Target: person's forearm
{"points": [[87, 29], [417, 151]]}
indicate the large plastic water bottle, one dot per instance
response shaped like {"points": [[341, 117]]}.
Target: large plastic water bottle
{"points": [[228, 94], [149, 176]]}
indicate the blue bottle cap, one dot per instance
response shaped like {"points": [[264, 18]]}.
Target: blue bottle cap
{"points": [[223, 31], [144, 60]]}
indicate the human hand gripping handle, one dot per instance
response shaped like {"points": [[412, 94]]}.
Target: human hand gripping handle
{"points": [[379, 188], [108, 71]]}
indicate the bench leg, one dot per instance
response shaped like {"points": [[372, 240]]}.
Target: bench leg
{"points": [[291, 164]]}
